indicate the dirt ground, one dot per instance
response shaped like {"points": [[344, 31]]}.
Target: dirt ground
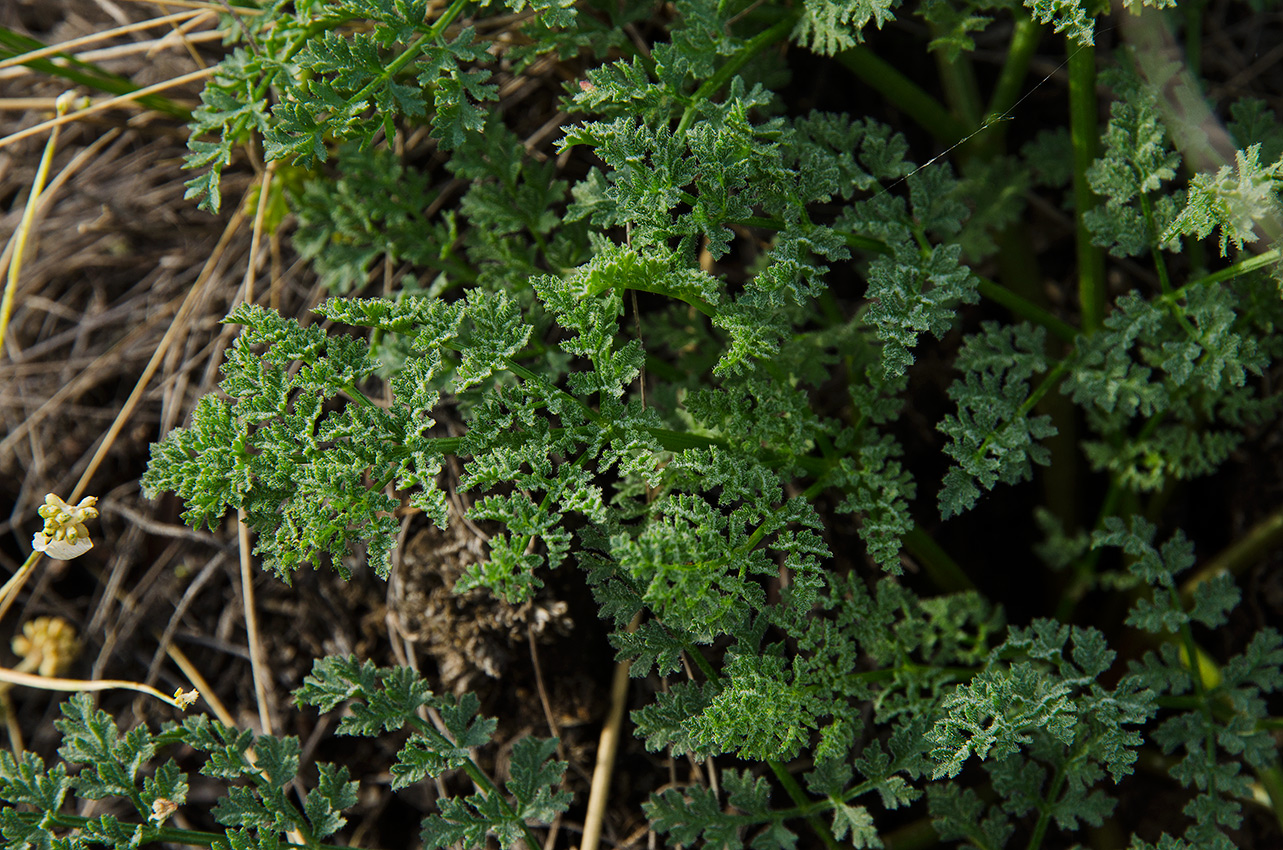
{"points": [[114, 336]]}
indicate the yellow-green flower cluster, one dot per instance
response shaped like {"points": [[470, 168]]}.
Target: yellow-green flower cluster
{"points": [[65, 536], [47, 645]]}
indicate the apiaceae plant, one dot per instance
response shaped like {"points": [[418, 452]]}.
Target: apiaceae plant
{"points": [[683, 351]]}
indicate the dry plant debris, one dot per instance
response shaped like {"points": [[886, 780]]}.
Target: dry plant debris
{"points": [[118, 267]]}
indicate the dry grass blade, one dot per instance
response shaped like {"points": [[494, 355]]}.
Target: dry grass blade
{"points": [[175, 327], [95, 373], [61, 106], [77, 71], [50, 683], [258, 664], [122, 287], [607, 749], [117, 332], [104, 105], [94, 38], [212, 6]]}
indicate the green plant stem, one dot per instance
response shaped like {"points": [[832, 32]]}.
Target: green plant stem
{"points": [[479, 777], [1024, 41], [798, 796], [1026, 309], [1194, 34], [1262, 538], [1160, 265], [723, 75], [961, 91], [408, 55], [1223, 710], [1018, 263], [453, 11], [1085, 568], [1018, 269], [1044, 811], [164, 834], [853, 240], [1050, 380], [811, 808], [1260, 261], [943, 570], [907, 95], [1193, 655], [919, 835], [1085, 137]]}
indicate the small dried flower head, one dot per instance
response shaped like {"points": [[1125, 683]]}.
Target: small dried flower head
{"points": [[64, 536], [185, 698], [47, 645], [161, 809]]}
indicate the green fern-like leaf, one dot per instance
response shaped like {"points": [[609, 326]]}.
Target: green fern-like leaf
{"points": [[993, 437], [1009, 705], [914, 294], [1137, 161], [1214, 745], [828, 27], [1233, 201]]}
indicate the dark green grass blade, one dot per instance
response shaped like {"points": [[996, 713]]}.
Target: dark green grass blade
{"points": [[14, 44]]}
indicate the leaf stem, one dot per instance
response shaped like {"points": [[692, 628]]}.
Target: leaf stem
{"points": [[1051, 379], [1160, 266], [479, 777], [1045, 809], [942, 569], [798, 796], [1260, 261], [1200, 690], [1026, 309], [172, 835], [1250, 548], [1024, 41], [907, 95], [412, 49], [1083, 132], [723, 74]]}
